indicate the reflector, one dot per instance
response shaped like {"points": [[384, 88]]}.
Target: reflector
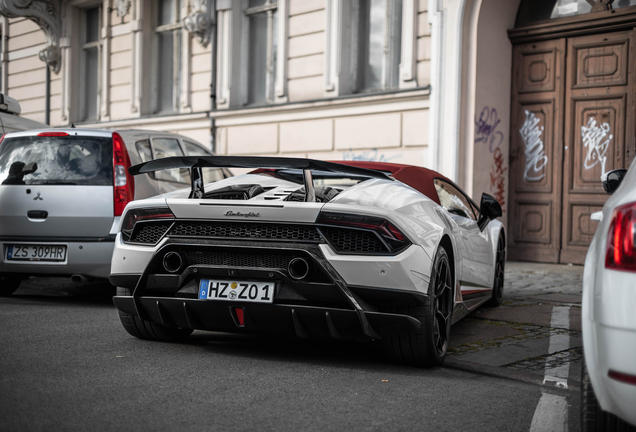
{"points": [[240, 316], [622, 377]]}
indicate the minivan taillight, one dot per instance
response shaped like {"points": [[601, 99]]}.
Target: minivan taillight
{"points": [[621, 239], [123, 182]]}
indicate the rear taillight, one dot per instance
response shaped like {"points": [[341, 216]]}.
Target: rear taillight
{"points": [[387, 231], [2, 138], [621, 239], [124, 185], [142, 215]]}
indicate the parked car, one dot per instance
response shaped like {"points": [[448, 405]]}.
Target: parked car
{"points": [[64, 190], [10, 121], [609, 311], [307, 248]]}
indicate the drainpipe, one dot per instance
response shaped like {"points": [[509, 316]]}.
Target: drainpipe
{"points": [[47, 97], [213, 79]]}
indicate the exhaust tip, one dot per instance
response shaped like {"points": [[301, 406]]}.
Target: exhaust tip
{"points": [[78, 278], [298, 268], [173, 262]]}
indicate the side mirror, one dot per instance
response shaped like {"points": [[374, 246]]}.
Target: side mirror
{"points": [[613, 179], [489, 209]]}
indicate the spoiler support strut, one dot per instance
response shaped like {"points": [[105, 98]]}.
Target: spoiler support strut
{"points": [[196, 163]]}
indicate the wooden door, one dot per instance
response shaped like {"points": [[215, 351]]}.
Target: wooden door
{"points": [[536, 151], [598, 96]]}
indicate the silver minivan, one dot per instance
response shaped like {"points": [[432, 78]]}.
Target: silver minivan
{"points": [[62, 192]]}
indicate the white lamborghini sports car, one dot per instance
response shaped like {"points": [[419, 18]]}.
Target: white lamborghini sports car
{"points": [[308, 248]]}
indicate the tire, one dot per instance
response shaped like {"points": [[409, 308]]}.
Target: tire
{"points": [[500, 267], [148, 330], [427, 346], [593, 418], [9, 283]]}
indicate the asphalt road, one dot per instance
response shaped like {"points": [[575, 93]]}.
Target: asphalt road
{"points": [[67, 364]]}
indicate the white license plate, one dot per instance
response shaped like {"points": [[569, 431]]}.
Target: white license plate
{"points": [[228, 290], [36, 252]]}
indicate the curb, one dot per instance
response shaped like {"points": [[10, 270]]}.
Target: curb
{"points": [[498, 372]]}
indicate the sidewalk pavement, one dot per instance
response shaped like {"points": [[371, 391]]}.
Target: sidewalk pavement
{"points": [[514, 339]]}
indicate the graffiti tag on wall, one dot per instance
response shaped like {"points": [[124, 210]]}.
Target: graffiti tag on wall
{"points": [[486, 129], [593, 137], [535, 153], [368, 155], [486, 133], [498, 179]]}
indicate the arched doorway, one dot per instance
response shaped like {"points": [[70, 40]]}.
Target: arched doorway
{"points": [[572, 119]]}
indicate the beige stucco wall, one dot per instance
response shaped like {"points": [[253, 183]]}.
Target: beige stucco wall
{"points": [[491, 113], [391, 128], [314, 123], [26, 74]]}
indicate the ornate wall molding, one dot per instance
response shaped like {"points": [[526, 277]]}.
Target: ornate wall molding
{"points": [[45, 13], [122, 7], [199, 21]]}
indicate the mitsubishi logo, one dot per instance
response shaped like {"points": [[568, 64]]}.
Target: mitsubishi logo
{"points": [[38, 197]]}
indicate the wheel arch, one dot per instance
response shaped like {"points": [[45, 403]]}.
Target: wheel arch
{"points": [[447, 243]]}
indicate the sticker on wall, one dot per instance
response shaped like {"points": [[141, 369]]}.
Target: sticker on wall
{"points": [[594, 139], [536, 159]]}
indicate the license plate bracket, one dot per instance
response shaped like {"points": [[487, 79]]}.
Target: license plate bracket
{"points": [[235, 290], [36, 252]]}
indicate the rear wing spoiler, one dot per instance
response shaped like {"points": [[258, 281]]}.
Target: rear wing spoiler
{"points": [[195, 163]]}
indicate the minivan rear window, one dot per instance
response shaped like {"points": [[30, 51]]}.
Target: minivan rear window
{"points": [[69, 160]]}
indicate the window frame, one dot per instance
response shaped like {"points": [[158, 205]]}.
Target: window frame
{"points": [[233, 52], [471, 205], [341, 48], [176, 29], [270, 7], [83, 48], [158, 175]]}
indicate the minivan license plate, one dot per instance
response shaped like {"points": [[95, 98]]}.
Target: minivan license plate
{"points": [[228, 290], [36, 252]]}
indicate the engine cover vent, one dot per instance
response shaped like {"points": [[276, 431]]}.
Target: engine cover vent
{"points": [[235, 192]]}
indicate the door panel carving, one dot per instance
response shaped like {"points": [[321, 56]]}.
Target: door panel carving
{"points": [[600, 64], [597, 133], [536, 146], [538, 71], [533, 222]]}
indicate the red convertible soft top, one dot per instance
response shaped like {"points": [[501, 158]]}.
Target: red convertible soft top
{"points": [[419, 178]]}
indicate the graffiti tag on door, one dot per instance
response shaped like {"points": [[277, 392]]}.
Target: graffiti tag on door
{"points": [[536, 159], [594, 139]]}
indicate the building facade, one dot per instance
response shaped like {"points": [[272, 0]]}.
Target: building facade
{"points": [[528, 100]]}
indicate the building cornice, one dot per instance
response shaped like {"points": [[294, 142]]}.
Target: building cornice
{"points": [[45, 13]]}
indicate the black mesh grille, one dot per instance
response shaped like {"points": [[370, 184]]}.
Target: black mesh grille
{"points": [[149, 232], [253, 259], [302, 233], [352, 240], [240, 259]]}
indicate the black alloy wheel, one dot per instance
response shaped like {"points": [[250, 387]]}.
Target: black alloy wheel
{"points": [[500, 267], [427, 346]]}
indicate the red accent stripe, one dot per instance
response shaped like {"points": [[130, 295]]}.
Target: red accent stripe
{"points": [[622, 377]]}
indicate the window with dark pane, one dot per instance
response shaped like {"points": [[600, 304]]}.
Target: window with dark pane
{"points": [[90, 58], [379, 41], [262, 46], [167, 35]]}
